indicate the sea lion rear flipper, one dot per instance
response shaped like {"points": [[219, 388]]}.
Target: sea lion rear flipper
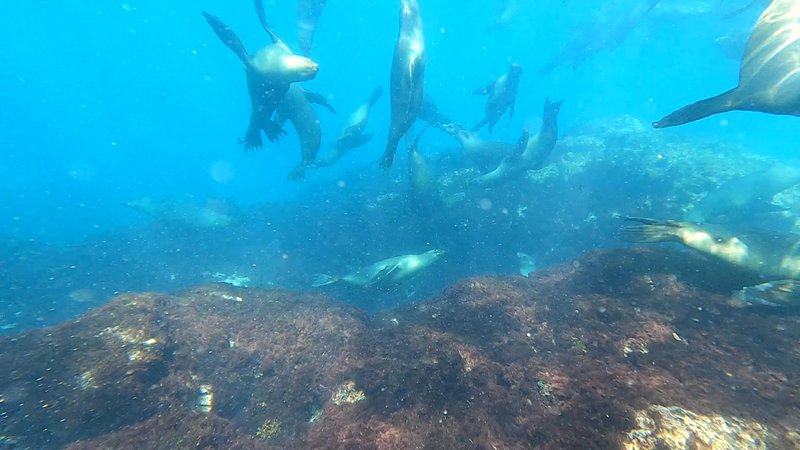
{"points": [[252, 137], [273, 130], [228, 37], [772, 293], [650, 230], [321, 279], [299, 171], [319, 99], [698, 110]]}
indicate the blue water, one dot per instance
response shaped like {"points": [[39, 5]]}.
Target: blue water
{"points": [[106, 102]]}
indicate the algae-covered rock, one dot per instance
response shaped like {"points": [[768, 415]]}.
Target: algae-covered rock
{"points": [[675, 428]]}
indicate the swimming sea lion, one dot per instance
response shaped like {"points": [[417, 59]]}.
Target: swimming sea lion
{"points": [[384, 274], [212, 214], [508, 10], [352, 135], [510, 165], [769, 75], [606, 30], [296, 108], [745, 196], [484, 154], [308, 14], [770, 255], [527, 265], [532, 153], [407, 77], [424, 198], [269, 72], [502, 94]]}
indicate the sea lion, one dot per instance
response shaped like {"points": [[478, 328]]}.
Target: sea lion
{"points": [[308, 14], [296, 108], [212, 214], [424, 197], [605, 31], [384, 274], [269, 72], [484, 154], [502, 94], [769, 75], [407, 77], [527, 265], [508, 10], [769, 255], [352, 135], [745, 196], [530, 154]]}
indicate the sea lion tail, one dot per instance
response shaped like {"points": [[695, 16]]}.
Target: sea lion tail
{"points": [[321, 279], [649, 230], [698, 110]]}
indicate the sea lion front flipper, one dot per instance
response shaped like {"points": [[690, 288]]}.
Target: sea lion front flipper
{"points": [[698, 110], [319, 99], [382, 275], [486, 90], [262, 18], [228, 37], [480, 124]]}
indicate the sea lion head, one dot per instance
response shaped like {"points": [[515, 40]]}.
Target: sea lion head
{"points": [[299, 68], [515, 69]]}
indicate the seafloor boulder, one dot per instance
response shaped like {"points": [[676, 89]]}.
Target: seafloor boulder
{"points": [[634, 349]]}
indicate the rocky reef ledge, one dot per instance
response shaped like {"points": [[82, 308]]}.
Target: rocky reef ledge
{"points": [[631, 348]]}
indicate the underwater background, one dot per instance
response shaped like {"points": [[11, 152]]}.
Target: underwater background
{"points": [[121, 171]]}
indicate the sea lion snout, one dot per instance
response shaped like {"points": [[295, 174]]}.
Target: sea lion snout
{"points": [[302, 68]]}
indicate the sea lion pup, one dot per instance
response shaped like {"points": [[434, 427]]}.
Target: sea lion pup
{"points": [[743, 197], [384, 274], [609, 27], [770, 255], [532, 153], [296, 108], [769, 75], [407, 77], [502, 94], [352, 135], [269, 72], [308, 14]]}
